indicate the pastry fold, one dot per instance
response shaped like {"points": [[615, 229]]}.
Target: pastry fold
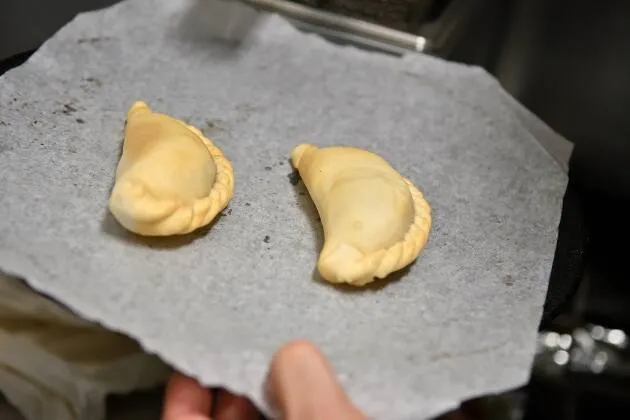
{"points": [[171, 179], [375, 221]]}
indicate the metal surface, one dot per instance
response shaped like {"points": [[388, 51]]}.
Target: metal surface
{"points": [[341, 24], [587, 358]]}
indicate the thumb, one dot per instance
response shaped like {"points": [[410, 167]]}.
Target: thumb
{"points": [[302, 386]]}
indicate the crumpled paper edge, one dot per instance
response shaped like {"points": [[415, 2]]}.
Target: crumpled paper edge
{"points": [[21, 266]]}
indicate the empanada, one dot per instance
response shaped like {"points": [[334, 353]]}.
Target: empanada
{"points": [[170, 179], [375, 221]]}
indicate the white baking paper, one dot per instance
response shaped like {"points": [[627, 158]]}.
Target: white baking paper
{"points": [[461, 322]]}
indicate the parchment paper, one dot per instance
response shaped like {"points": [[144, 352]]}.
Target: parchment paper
{"points": [[459, 323]]}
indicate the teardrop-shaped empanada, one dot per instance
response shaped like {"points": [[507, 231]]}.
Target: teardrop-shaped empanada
{"points": [[375, 221], [170, 179]]}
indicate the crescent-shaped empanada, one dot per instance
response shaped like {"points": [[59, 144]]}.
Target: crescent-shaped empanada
{"points": [[375, 221], [170, 179]]}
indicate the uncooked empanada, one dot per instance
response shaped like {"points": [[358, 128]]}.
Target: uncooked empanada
{"points": [[375, 221], [170, 179]]}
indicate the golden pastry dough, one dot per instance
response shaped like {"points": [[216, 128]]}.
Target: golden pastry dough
{"points": [[170, 179], [375, 221]]}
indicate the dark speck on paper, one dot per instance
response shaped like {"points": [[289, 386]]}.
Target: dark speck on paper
{"points": [[267, 168], [294, 177], [215, 125], [67, 109], [508, 280], [80, 120], [266, 239], [94, 40], [93, 80]]}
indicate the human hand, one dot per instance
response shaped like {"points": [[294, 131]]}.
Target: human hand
{"points": [[301, 385]]}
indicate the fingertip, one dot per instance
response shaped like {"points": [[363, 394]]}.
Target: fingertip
{"points": [[302, 384], [292, 361], [185, 398], [296, 352], [234, 407]]}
